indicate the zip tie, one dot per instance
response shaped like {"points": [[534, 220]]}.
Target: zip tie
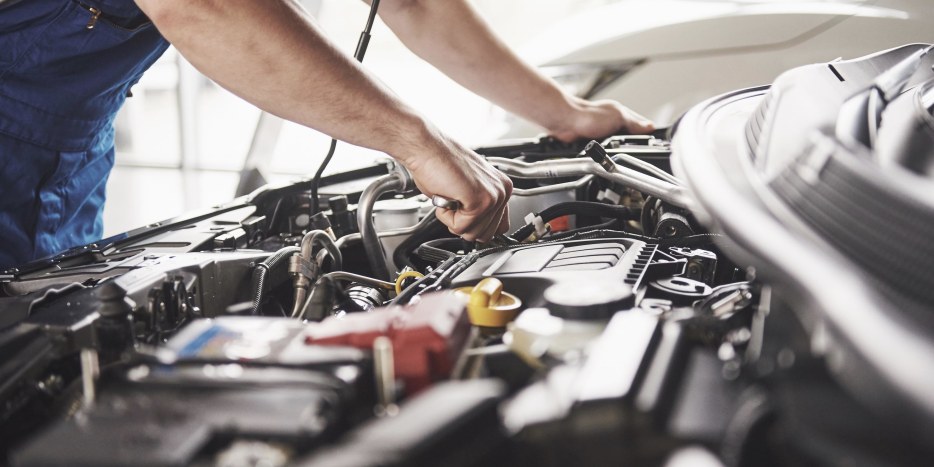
{"points": [[538, 223], [609, 195]]}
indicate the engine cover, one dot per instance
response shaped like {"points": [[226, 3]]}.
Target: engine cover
{"points": [[527, 271]]}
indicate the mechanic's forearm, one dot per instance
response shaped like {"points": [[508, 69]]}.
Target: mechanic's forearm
{"points": [[454, 38], [271, 54]]}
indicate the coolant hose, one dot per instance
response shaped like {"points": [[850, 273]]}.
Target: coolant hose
{"points": [[261, 270], [393, 182]]}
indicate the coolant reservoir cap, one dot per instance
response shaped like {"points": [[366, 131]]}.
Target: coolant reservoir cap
{"points": [[590, 300]]}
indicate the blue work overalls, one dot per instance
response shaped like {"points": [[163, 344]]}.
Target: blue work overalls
{"points": [[66, 67]]}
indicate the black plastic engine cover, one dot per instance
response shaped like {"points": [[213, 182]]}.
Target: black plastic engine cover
{"points": [[526, 271]]}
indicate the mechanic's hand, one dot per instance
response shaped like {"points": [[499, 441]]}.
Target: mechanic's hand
{"points": [[599, 119], [457, 173]]}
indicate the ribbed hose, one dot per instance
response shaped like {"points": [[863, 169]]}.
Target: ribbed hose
{"points": [[261, 270], [586, 208], [430, 227], [439, 250], [886, 231]]}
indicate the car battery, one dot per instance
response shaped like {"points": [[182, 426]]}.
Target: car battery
{"points": [[258, 341], [218, 383], [427, 336], [169, 417]]}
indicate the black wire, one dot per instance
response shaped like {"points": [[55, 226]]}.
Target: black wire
{"points": [[366, 29], [316, 181], [362, 44], [576, 207]]}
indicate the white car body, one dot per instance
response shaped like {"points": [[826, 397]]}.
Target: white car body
{"points": [[679, 52]]}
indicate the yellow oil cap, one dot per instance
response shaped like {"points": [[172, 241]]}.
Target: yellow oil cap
{"points": [[488, 305]]}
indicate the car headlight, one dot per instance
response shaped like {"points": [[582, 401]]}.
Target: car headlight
{"points": [[585, 80]]}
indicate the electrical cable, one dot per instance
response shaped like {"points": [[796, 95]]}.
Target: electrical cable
{"points": [[316, 181], [362, 44], [578, 208]]}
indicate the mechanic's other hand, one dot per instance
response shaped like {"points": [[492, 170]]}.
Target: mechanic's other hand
{"points": [[599, 119], [457, 173]]}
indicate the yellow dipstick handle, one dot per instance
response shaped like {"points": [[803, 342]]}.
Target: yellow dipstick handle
{"points": [[406, 275]]}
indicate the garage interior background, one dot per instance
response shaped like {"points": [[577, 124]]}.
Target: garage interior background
{"points": [[182, 140]]}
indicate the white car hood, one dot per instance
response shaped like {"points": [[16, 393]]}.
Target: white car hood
{"points": [[635, 29]]}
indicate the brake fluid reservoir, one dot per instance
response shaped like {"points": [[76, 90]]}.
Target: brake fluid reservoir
{"points": [[399, 213]]}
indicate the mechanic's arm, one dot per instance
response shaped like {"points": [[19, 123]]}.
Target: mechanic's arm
{"points": [[454, 38], [272, 54]]}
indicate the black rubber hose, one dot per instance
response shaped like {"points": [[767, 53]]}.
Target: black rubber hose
{"points": [[646, 218], [261, 270], [587, 208], [441, 249], [390, 183], [321, 300], [432, 228]]}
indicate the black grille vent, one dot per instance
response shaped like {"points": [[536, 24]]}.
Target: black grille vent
{"points": [[638, 266], [591, 257]]}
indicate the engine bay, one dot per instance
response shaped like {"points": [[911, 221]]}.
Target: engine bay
{"points": [[621, 321]]}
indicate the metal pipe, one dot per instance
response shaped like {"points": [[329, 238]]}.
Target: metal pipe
{"points": [[323, 288], [544, 190], [323, 238], [304, 268], [385, 373], [351, 277], [559, 168], [645, 166], [393, 182], [90, 370]]}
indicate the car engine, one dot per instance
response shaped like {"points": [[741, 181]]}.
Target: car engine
{"points": [[750, 287]]}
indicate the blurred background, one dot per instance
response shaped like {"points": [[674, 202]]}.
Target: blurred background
{"points": [[182, 140]]}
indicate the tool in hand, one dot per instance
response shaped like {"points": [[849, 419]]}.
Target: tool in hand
{"points": [[439, 201]]}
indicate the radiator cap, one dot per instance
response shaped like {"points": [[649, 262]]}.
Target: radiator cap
{"points": [[588, 300]]}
